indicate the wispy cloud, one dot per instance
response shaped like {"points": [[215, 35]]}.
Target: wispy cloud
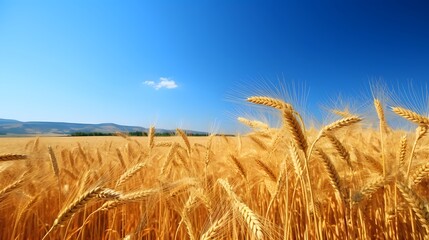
{"points": [[162, 83]]}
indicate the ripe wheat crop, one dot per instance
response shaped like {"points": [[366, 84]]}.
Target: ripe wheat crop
{"points": [[344, 180]]}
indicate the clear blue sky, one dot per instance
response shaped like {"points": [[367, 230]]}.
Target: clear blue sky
{"points": [[176, 63]]}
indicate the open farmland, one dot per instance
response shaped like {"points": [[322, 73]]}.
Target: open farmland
{"points": [[342, 181]]}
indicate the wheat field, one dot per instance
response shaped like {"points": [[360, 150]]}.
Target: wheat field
{"points": [[341, 181]]}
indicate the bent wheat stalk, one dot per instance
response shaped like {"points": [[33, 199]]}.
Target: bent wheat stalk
{"points": [[420, 132], [74, 207]]}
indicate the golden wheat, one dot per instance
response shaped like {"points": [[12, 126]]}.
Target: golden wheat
{"points": [[360, 183]]}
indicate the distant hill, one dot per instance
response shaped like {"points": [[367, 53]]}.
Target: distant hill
{"points": [[14, 127]]}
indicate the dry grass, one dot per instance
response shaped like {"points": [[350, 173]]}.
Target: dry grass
{"points": [[358, 183]]}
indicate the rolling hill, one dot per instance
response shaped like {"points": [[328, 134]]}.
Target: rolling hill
{"points": [[14, 127]]}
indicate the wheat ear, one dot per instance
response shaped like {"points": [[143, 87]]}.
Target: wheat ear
{"points": [[343, 114], [344, 122], [169, 157], [383, 129], [248, 215], [54, 162], [267, 170], [381, 116], [267, 101], [368, 190], [295, 129], [74, 207], [213, 230], [259, 142], [296, 160], [416, 203], [129, 173], [185, 140], [255, 124], [129, 197], [334, 178], [9, 188], [420, 174], [108, 193], [411, 116], [151, 135], [402, 152], [239, 166], [342, 151], [163, 144], [121, 158], [250, 218], [12, 157]]}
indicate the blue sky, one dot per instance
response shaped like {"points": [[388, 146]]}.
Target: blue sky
{"points": [[178, 63]]}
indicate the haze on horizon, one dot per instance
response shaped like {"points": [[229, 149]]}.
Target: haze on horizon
{"points": [[179, 64]]}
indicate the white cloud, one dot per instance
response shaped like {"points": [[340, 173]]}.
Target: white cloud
{"points": [[149, 83], [163, 83]]}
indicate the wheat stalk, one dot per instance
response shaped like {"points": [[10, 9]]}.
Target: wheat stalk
{"points": [[420, 132]]}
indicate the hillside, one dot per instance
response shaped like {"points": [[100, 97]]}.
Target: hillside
{"points": [[14, 127]]}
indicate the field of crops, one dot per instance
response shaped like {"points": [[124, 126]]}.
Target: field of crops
{"points": [[341, 181]]}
